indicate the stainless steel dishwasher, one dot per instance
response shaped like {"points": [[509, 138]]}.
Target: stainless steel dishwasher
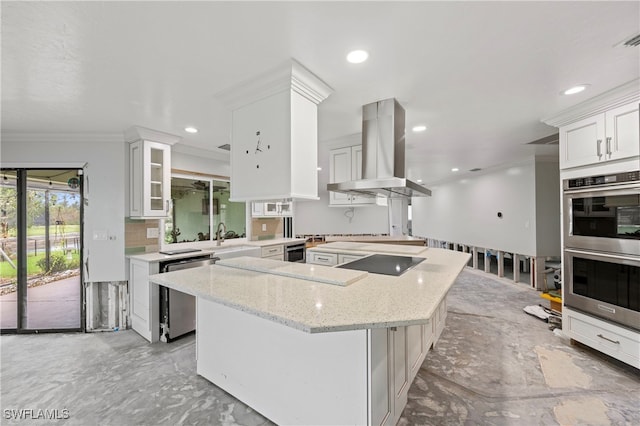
{"points": [[177, 309]]}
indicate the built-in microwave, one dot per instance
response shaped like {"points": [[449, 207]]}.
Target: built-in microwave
{"points": [[602, 213], [602, 284]]}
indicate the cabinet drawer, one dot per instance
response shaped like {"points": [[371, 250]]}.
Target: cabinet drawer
{"points": [[617, 342], [272, 250], [275, 257], [329, 259], [344, 258]]}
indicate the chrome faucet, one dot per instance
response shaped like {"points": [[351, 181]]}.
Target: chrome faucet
{"points": [[221, 224]]}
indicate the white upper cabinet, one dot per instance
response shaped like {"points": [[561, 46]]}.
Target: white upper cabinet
{"points": [[622, 131], [600, 130], [345, 164], [274, 144], [149, 173], [611, 135]]}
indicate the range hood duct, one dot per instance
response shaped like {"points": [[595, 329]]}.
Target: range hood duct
{"points": [[383, 159]]}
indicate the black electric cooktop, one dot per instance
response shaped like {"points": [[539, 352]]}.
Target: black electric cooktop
{"points": [[383, 264]]}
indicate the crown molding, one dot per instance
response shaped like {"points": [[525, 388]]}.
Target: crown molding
{"points": [[63, 137], [289, 76], [618, 96], [201, 152], [135, 133]]}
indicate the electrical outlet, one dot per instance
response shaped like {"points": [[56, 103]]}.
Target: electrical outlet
{"points": [[152, 233], [264, 227], [100, 235]]}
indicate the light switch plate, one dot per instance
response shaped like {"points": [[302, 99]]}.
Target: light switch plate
{"points": [[152, 232], [264, 227]]}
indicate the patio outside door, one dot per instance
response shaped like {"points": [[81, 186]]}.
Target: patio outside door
{"points": [[40, 250]]}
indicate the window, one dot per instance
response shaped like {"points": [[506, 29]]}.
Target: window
{"points": [[198, 205]]}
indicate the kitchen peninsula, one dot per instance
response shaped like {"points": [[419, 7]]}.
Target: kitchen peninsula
{"points": [[300, 351]]}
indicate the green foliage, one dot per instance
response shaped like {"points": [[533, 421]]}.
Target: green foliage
{"points": [[58, 263]]}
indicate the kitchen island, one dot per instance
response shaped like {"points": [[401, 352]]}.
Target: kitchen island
{"points": [[301, 351]]}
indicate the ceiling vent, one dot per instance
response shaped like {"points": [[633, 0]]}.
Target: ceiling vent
{"points": [[226, 147], [475, 169], [549, 140], [633, 41]]}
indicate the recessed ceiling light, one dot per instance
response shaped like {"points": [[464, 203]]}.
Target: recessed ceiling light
{"points": [[575, 89], [191, 130], [419, 181], [357, 56], [420, 128], [319, 169], [455, 169]]}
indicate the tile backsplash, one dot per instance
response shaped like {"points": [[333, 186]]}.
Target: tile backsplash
{"points": [[135, 236], [274, 226]]}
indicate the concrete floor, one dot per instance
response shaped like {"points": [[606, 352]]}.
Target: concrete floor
{"points": [[55, 305], [494, 365]]}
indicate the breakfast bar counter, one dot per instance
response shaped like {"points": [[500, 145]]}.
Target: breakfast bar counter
{"points": [[303, 351]]}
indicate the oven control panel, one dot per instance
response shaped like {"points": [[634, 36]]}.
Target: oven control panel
{"points": [[603, 180]]}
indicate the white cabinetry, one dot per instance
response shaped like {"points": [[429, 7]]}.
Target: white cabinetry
{"points": [[272, 209], [611, 135], [275, 252], [149, 172], [345, 164], [144, 299], [320, 258], [149, 179], [275, 134], [618, 342], [344, 258], [395, 356]]}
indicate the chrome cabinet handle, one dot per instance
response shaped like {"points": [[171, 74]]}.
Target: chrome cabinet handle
{"points": [[606, 338], [598, 143], [609, 145]]}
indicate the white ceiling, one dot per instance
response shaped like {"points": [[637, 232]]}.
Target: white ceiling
{"points": [[480, 75]]}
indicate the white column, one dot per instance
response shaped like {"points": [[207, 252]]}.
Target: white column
{"points": [[516, 268], [474, 251]]}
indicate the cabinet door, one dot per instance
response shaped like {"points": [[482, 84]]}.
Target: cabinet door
{"points": [[343, 258], [381, 402], [157, 179], [582, 142], [339, 171], [257, 209], [149, 179], [415, 348], [622, 126], [400, 370]]}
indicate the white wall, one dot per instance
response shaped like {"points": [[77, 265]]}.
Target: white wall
{"points": [[548, 212], [194, 160], [465, 211], [105, 169], [316, 217]]}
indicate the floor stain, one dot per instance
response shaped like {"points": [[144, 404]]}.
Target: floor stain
{"points": [[559, 370], [587, 411]]}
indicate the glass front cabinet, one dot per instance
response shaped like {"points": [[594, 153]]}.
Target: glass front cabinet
{"points": [[150, 179]]}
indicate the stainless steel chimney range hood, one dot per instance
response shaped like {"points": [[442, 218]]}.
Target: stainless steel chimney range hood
{"points": [[383, 160]]}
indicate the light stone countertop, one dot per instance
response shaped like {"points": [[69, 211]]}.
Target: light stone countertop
{"points": [[375, 301], [368, 248], [305, 271], [209, 247]]}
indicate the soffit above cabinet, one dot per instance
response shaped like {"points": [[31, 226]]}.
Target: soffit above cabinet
{"points": [[274, 138]]}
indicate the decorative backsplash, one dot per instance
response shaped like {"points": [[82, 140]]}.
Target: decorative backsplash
{"points": [[274, 228], [135, 236]]}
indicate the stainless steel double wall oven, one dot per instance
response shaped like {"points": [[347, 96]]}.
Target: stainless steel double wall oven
{"points": [[602, 246]]}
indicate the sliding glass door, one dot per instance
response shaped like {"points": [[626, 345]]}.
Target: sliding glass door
{"points": [[40, 280]]}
